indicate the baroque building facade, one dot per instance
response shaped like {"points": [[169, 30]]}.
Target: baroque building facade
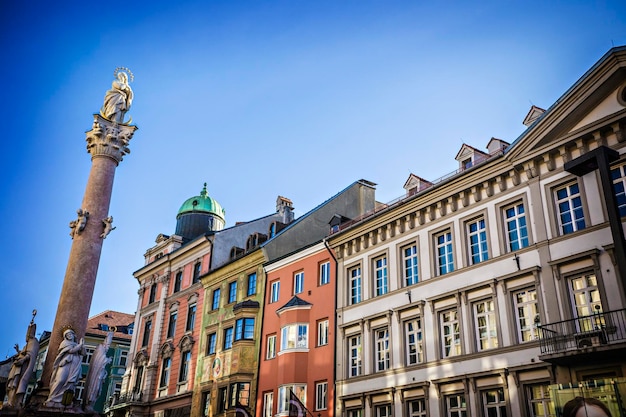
{"points": [[495, 290]]}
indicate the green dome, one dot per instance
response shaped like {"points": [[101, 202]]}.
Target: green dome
{"points": [[202, 204]]}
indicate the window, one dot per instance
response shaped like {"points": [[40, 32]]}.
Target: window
{"points": [[417, 408], [138, 379], [216, 299], [206, 403], [251, 284], [232, 292], [539, 402], [569, 208], [354, 353], [525, 304], [275, 292], [165, 372], [586, 302], [191, 318], [271, 346], [80, 388], [382, 349], [211, 342], [272, 230], [355, 285], [619, 184], [171, 327], [320, 395], [228, 338], [185, 358], [299, 391], [222, 399], [477, 241], [381, 283], [466, 163], [178, 281], [414, 348], [89, 350], [456, 406], [486, 330], [324, 273], [322, 332], [443, 246], [409, 261], [294, 336], [153, 291], [298, 282], [357, 412], [494, 403], [515, 225], [244, 329], [240, 393], [450, 334], [123, 358], [146, 333], [268, 404], [196, 272], [383, 410]]}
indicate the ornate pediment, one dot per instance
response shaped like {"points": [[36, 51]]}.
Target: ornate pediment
{"points": [[141, 358], [166, 350], [186, 343]]}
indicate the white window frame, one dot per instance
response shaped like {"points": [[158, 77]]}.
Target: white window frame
{"points": [[299, 391], [321, 390], [322, 332], [477, 248], [460, 407], [271, 347], [298, 282], [410, 265], [381, 276], [526, 307], [569, 208], [585, 287], [499, 405], [324, 273], [444, 252], [543, 401], [355, 358], [416, 407], [355, 290], [268, 404], [618, 174], [275, 294], [164, 376], [381, 342], [485, 324], [515, 226], [294, 336], [450, 340], [89, 351], [414, 341], [382, 410]]}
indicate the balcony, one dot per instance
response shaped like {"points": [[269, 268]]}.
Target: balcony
{"points": [[568, 341]]}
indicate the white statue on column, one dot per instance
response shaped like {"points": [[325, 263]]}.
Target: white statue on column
{"points": [[22, 368], [97, 372], [66, 369], [118, 99]]}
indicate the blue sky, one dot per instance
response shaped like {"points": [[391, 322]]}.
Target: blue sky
{"points": [[258, 99]]}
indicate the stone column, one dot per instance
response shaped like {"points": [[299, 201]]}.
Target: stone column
{"points": [[107, 142]]}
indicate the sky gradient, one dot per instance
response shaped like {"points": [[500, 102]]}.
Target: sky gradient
{"points": [[258, 99]]}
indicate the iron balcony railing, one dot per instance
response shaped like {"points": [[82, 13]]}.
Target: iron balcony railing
{"points": [[596, 330]]}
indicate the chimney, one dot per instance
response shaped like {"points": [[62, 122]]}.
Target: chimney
{"points": [[284, 207]]}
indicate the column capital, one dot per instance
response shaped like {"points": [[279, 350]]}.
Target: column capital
{"points": [[110, 139]]}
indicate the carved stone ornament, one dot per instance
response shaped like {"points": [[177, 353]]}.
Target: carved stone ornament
{"points": [[186, 343], [79, 224], [108, 226], [166, 350]]}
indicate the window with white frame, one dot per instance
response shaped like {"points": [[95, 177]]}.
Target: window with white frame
{"points": [[322, 332], [123, 358], [486, 328], [228, 338], [206, 403], [381, 282], [251, 284], [450, 334], [275, 292], [477, 240], [416, 407], [299, 391], [569, 208], [268, 404], [324, 273], [165, 372], [443, 248], [211, 343], [232, 292], [321, 389], [298, 282], [382, 349], [383, 410], [271, 346], [494, 403], [244, 328], [618, 174], [456, 406], [413, 329], [409, 263], [526, 311], [354, 355], [294, 336], [539, 402], [586, 302], [515, 226], [89, 351], [171, 327], [80, 388], [355, 283]]}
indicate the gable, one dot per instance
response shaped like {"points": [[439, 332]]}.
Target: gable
{"points": [[594, 98]]}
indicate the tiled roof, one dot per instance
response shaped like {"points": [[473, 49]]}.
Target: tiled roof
{"points": [[110, 319]]}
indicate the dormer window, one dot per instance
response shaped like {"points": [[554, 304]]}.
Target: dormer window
{"points": [[469, 156], [466, 163], [272, 231]]}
